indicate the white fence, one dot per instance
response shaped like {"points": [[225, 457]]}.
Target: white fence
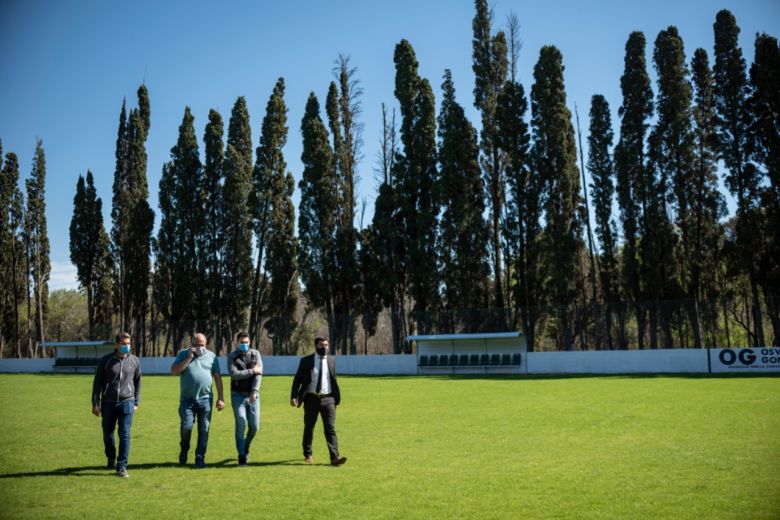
{"points": [[662, 361]]}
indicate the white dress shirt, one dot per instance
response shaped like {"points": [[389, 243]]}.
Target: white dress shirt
{"points": [[315, 374]]}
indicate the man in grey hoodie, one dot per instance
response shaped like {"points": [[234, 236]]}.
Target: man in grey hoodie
{"points": [[116, 394]]}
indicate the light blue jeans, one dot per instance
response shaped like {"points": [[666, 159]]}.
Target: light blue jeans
{"points": [[247, 414]]}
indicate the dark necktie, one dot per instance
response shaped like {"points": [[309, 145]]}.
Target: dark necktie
{"points": [[319, 377]]}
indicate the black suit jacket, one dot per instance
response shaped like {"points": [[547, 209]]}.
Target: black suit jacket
{"points": [[302, 379]]}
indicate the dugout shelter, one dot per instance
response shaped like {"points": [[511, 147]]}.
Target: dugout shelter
{"points": [[78, 356], [477, 353]]}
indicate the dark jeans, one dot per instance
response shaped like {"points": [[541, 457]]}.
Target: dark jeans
{"points": [[117, 413], [189, 410], [312, 407]]}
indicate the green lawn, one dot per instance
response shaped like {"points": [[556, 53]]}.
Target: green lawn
{"points": [[418, 447]]}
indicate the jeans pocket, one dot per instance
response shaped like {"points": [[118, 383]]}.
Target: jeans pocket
{"points": [[127, 407]]}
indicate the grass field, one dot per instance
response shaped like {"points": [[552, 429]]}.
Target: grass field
{"points": [[418, 447]]}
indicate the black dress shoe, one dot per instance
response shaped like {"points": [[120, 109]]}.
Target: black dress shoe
{"points": [[338, 462]]}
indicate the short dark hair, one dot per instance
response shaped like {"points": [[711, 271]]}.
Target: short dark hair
{"points": [[318, 340], [121, 336], [241, 335]]}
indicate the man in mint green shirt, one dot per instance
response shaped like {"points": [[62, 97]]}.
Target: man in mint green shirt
{"points": [[197, 366]]}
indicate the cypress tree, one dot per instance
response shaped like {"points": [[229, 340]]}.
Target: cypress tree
{"points": [[630, 154], [416, 182], [181, 226], [237, 236], [707, 206], [211, 244], [602, 173], [387, 223], [273, 187], [317, 213], [89, 249], [120, 208], [343, 108], [732, 121], [38, 241], [554, 160], [237, 224], [370, 297], [489, 56], [464, 234], [667, 178], [764, 104], [132, 220], [12, 253], [273, 136], [522, 227]]}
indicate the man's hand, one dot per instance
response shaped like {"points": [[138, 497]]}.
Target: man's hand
{"points": [[96, 411], [257, 370], [220, 405], [253, 397], [135, 408], [293, 402]]}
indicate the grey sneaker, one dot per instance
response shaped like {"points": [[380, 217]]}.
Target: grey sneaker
{"points": [[122, 472]]}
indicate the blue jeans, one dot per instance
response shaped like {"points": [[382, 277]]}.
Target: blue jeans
{"points": [[189, 409], [246, 414], [117, 413]]}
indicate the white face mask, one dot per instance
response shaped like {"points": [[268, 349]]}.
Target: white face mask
{"points": [[200, 350]]}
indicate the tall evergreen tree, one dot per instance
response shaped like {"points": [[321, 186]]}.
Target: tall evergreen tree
{"points": [[270, 160], [387, 226], [343, 108], [132, 220], [734, 145], [38, 242], [554, 159], [522, 226], [12, 253], [237, 223], [489, 56], [416, 182], [237, 236], [274, 225], [211, 241], [706, 203], [370, 297], [89, 251], [667, 178], [317, 215], [764, 104], [602, 173], [181, 227], [630, 155], [464, 234], [121, 206]]}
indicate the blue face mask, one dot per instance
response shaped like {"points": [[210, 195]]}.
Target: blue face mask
{"points": [[243, 347], [124, 349]]}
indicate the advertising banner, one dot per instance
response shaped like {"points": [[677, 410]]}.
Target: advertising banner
{"points": [[744, 360]]}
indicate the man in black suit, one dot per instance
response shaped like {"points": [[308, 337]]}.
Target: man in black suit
{"points": [[316, 388]]}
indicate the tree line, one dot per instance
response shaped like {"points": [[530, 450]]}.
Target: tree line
{"points": [[472, 230]]}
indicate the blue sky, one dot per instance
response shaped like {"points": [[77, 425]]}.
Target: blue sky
{"points": [[66, 65]]}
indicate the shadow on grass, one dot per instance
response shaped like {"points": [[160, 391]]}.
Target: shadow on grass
{"points": [[96, 471]]}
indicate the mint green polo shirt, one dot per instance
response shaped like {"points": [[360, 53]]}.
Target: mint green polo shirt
{"points": [[195, 380]]}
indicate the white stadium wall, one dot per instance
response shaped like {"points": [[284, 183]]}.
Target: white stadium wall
{"points": [[661, 361]]}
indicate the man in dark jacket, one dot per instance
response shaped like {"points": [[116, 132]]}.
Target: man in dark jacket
{"points": [[315, 386], [116, 394]]}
